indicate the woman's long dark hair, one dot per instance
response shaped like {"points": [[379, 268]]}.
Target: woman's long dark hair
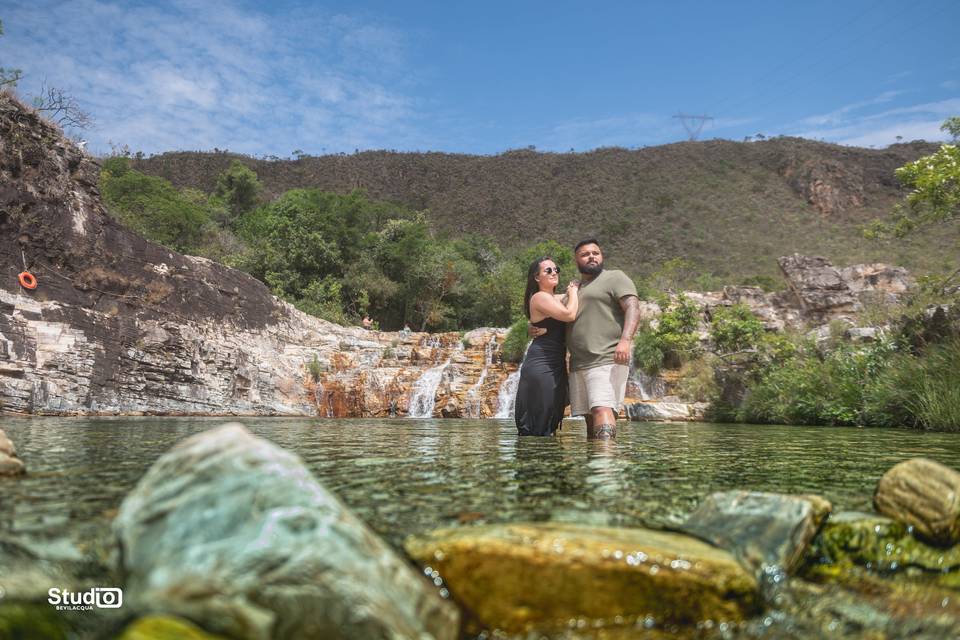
{"points": [[532, 285]]}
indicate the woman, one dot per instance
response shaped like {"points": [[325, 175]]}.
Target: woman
{"points": [[542, 392]]}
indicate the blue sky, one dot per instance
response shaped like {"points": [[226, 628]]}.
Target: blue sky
{"points": [[485, 77]]}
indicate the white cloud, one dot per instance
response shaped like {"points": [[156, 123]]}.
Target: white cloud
{"points": [[841, 114], [583, 133], [197, 74], [913, 122]]}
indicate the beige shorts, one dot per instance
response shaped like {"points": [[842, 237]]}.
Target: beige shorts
{"points": [[602, 386]]}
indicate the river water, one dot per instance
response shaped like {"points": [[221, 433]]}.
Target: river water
{"points": [[406, 476]]}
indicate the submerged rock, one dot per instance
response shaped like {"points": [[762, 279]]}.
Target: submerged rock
{"points": [[860, 604], [165, 628], [763, 530], [925, 495], [230, 530], [524, 577], [10, 464]]}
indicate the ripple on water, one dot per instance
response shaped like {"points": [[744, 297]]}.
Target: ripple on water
{"points": [[409, 476]]}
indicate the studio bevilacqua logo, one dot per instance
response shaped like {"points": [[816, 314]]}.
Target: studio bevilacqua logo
{"points": [[99, 597]]}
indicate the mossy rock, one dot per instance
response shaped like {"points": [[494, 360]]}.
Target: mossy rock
{"points": [[540, 576], [162, 627], [878, 543], [32, 621]]}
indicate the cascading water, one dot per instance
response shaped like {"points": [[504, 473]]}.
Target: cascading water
{"points": [[646, 386], [508, 390], [424, 394], [474, 395]]}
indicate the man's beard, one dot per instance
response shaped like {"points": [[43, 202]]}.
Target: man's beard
{"points": [[590, 270]]}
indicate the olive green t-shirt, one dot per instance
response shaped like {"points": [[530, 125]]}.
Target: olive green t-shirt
{"points": [[592, 338]]}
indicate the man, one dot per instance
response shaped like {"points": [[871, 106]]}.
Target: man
{"points": [[600, 341]]}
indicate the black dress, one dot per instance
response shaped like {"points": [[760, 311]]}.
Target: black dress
{"points": [[542, 393]]}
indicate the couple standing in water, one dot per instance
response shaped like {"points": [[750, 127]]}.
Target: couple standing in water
{"points": [[595, 320]]}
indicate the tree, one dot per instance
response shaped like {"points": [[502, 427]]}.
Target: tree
{"points": [[153, 207], [934, 189], [8, 77], [952, 126], [239, 189], [62, 108]]}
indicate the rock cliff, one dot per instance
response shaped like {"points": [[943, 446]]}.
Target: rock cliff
{"points": [[120, 325]]}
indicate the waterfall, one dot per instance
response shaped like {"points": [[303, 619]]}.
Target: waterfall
{"points": [[646, 386], [424, 394], [474, 399], [508, 390]]}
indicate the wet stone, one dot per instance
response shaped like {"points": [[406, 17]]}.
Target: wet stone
{"points": [[231, 531], [539, 577], [879, 543], [925, 495], [765, 531]]}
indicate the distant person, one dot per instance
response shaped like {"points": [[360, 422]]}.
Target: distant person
{"points": [[600, 341], [542, 390], [367, 322], [405, 332]]}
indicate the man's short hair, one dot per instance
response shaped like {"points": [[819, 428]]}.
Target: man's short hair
{"points": [[583, 242]]}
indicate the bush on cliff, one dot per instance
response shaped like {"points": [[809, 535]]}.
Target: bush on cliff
{"points": [[673, 342], [735, 328], [515, 344]]}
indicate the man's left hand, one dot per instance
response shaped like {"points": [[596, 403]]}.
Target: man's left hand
{"points": [[622, 353]]}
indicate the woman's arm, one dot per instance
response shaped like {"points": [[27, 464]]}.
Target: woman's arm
{"points": [[547, 305]]}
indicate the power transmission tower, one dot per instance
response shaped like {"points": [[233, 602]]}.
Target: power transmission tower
{"points": [[693, 124]]}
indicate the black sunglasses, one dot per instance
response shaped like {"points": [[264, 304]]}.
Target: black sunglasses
{"points": [[551, 270]]}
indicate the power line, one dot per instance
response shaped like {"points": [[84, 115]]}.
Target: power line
{"points": [[693, 124]]}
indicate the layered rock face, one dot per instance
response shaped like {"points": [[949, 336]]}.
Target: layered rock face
{"points": [[120, 325]]}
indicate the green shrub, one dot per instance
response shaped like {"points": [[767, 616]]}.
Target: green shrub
{"points": [[677, 332], [647, 352], [697, 380], [810, 388], [735, 329], [921, 391], [515, 344], [154, 208], [314, 369]]}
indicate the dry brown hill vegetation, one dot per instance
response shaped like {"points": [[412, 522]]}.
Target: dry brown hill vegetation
{"points": [[729, 207]]}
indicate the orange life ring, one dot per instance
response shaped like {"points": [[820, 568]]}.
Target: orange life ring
{"points": [[27, 281]]}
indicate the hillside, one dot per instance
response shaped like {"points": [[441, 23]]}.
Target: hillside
{"points": [[729, 207]]}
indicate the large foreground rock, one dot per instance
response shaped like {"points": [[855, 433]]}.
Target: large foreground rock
{"points": [[925, 495], [523, 577], [763, 530], [231, 531]]}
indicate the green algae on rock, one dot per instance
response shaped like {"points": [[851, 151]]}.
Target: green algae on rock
{"points": [[540, 576], [879, 543]]}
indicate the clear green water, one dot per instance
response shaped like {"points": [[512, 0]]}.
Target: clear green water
{"points": [[408, 476]]}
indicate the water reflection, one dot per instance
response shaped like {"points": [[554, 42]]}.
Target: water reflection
{"points": [[410, 476]]}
